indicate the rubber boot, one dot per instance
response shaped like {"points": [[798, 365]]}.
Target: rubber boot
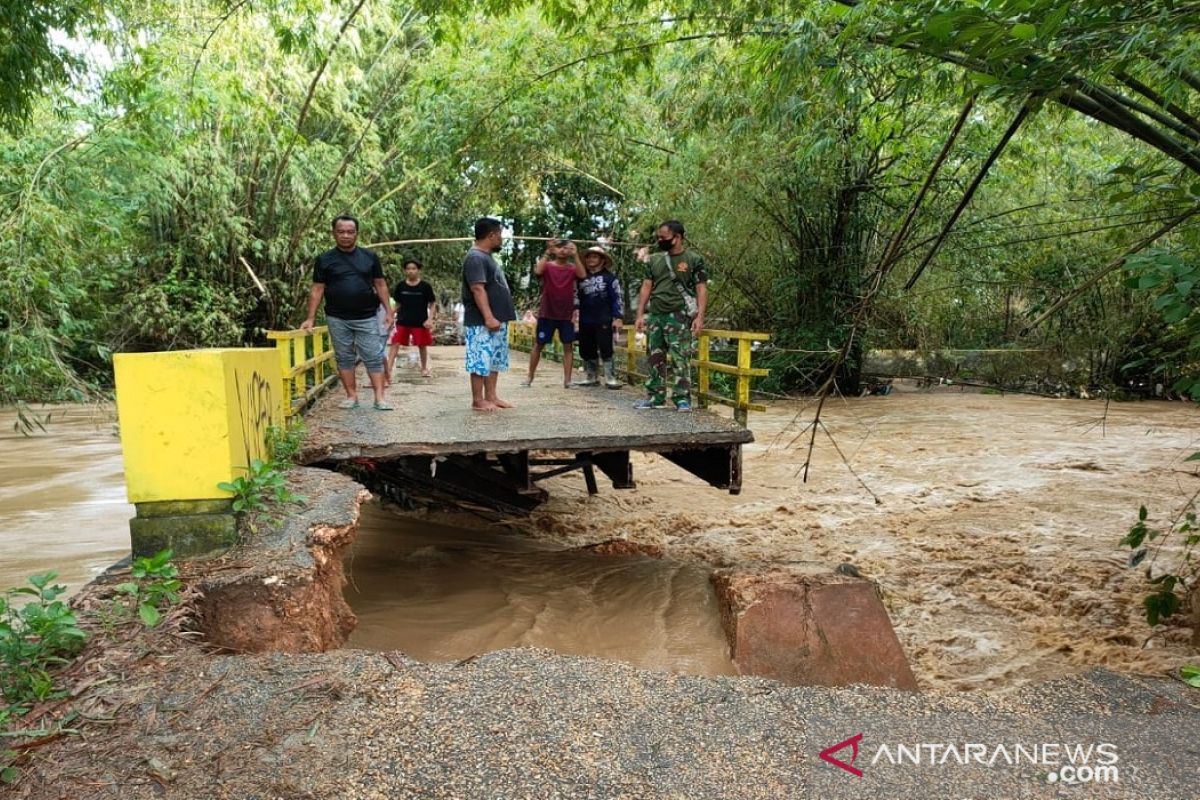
{"points": [[610, 374], [592, 370]]}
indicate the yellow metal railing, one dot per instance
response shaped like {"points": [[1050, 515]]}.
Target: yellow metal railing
{"points": [[740, 402], [306, 360], [521, 337]]}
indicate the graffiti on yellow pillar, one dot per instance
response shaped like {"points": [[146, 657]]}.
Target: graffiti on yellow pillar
{"points": [[257, 408], [194, 418]]}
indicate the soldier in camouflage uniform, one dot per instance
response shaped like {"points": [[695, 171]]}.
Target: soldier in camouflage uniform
{"points": [[671, 307]]}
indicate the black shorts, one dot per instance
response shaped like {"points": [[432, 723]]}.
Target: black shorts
{"points": [[595, 340]]}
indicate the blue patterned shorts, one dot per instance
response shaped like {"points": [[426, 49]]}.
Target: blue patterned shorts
{"points": [[487, 351]]}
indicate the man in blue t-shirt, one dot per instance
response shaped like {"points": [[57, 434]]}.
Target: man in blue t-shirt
{"points": [[350, 280], [600, 313]]}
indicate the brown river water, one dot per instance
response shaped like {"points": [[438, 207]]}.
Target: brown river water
{"points": [[441, 593], [62, 496], [989, 522]]}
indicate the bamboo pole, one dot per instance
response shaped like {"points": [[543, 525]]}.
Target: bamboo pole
{"points": [[521, 238]]}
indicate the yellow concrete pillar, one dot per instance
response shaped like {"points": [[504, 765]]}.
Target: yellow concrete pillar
{"points": [[190, 420]]}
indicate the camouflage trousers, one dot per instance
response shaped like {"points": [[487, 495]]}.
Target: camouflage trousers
{"points": [[669, 351]]}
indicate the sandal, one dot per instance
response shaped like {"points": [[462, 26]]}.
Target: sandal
{"points": [[383, 407], [348, 403]]}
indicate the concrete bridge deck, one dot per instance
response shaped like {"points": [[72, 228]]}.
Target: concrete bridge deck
{"points": [[434, 444]]}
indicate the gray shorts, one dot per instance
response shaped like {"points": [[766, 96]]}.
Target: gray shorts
{"points": [[356, 337]]}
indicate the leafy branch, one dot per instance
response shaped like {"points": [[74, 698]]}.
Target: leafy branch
{"points": [[266, 481]]}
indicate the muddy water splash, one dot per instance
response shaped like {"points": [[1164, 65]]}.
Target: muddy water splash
{"points": [[440, 593], [991, 523], [62, 496]]}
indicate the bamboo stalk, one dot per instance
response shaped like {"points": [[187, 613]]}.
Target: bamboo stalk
{"points": [[1111, 266], [1011, 131], [272, 201], [901, 234], [254, 277]]}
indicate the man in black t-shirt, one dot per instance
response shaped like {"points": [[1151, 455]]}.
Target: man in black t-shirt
{"points": [[415, 304], [350, 279]]}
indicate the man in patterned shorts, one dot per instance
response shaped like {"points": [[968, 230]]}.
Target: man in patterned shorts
{"points": [[488, 310]]}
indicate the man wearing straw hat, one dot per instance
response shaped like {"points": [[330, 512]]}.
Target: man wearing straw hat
{"points": [[600, 311]]}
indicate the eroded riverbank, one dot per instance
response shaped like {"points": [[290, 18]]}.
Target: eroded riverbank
{"points": [[993, 540]]}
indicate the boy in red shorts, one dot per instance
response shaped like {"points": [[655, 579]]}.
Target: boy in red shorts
{"points": [[415, 304]]}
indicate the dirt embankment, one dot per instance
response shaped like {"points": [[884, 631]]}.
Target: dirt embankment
{"points": [[994, 544], [282, 589]]}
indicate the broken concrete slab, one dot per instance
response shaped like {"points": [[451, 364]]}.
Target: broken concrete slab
{"points": [[809, 626]]}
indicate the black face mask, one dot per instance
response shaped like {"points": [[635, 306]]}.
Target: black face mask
{"points": [[665, 244]]}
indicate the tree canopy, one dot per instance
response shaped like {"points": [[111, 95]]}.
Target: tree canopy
{"points": [[860, 174]]}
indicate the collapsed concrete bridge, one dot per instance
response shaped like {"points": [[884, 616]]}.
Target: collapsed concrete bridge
{"points": [[434, 447]]}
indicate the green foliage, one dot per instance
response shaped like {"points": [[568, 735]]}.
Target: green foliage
{"points": [[34, 638], [284, 443], [155, 586], [1169, 586], [44, 633], [1190, 674], [8, 772], [177, 199], [266, 481], [29, 59], [1175, 284], [263, 482]]}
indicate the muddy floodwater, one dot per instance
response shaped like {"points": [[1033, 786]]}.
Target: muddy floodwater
{"points": [[441, 593], [62, 496], [990, 523]]}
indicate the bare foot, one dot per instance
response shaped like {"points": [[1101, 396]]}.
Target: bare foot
{"points": [[484, 405], [501, 403]]}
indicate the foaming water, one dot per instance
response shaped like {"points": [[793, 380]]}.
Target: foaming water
{"points": [[62, 496], [440, 593]]}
